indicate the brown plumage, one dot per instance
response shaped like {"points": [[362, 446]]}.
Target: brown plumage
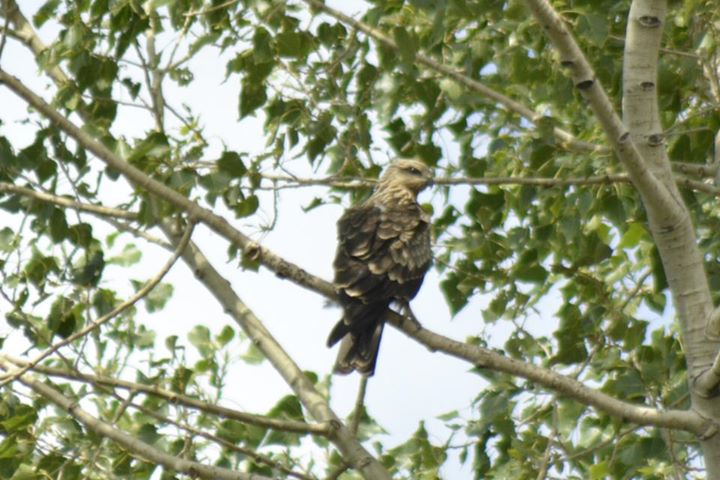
{"points": [[382, 256]]}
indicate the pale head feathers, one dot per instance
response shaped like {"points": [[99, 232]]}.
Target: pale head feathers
{"points": [[407, 174]]}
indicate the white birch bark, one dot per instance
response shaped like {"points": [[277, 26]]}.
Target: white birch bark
{"points": [[674, 237]]}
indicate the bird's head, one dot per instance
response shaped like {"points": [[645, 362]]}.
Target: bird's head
{"points": [[408, 173]]}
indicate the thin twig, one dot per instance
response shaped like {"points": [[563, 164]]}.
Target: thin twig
{"points": [[699, 169], [566, 138], [122, 226], [350, 448], [256, 457], [6, 25], [99, 210], [133, 445], [669, 51], [211, 9], [359, 405], [156, 76], [146, 289], [154, 390]]}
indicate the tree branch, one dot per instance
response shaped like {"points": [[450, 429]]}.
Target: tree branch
{"points": [[689, 421], [486, 358], [356, 182], [565, 138], [353, 452], [546, 182], [359, 404], [215, 222], [134, 446], [665, 206], [699, 169], [98, 210], [26, 34], [221, 226], [248, 452], [5, 28], [179, 399], [147, 288]]}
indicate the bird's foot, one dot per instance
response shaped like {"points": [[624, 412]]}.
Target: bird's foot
{"points": [[408, 314]]}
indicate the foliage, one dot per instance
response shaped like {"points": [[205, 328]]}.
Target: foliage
{"points": [[577, 258]]}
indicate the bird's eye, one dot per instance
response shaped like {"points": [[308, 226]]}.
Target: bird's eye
{"points": [[414, 171]]}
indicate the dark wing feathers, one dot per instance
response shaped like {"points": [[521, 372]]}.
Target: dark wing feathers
{"points": [[383, 254]]}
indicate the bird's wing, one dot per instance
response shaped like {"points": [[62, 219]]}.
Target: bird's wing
{"points": [[380, 250]]}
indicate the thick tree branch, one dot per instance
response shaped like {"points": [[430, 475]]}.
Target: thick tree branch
{"points": [[343, 438], [26, 34], [5, 28], [144, 291], [566, 139], [134, 446], [646, 416], [216, 223], [676, 242], [486, 358], [179, 399], [666, 207]]}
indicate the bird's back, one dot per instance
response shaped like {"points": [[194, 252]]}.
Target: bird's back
{"points": [[382, 256]]}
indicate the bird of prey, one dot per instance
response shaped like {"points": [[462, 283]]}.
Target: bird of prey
{"points": [[382, 256]]}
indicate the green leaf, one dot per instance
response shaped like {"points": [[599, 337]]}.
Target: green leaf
{"points": [[8, 240], [22, 417], [241, 433], [45, 12], [155, 146], [446, 417], [288, 408], [594, 27], [39, 268], [455, 296], [129, 256], [225, 336], [531, 273], [199, 337], [247, 206], [633, 235], [407, 42], [65, 316], [58, 225], [262, 46], [253, 355], [148, 433], [181, 379], [158, 297], [294, 44], [599, 471], [252, 97], [80, 235], [232, 164], [659, 279]]}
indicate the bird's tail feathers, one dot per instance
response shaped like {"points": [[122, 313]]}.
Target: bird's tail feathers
{"points": [[339, 331], [359, 352]]}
